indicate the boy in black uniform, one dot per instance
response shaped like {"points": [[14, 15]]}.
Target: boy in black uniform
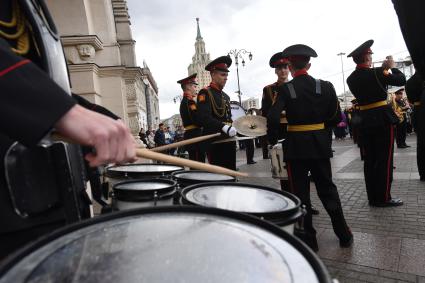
{"points": [[31, 104], [214, 114], [369, 87], [309, 104], [415, 89], [188, 112]]}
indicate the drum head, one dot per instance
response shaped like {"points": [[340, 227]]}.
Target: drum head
{"points": [[197, 176], [240, 197], [173, 244], [143, 189], [141, 170], [237, 110]]}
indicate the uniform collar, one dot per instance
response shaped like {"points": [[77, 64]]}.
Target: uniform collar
{"points": [[216, 87], [188, 96], [300, 73], [362, 66]]}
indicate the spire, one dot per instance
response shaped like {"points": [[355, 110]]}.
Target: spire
{"points": [[198, 35]]}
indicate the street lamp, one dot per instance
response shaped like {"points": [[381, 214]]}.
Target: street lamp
{"points": [[343, 77], [177, 98], [239, 54]]}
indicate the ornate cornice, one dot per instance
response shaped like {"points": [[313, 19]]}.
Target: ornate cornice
{"points": [[73, 40]]}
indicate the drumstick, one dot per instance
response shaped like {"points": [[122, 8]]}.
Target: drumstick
{"points": [[185, 142], [145, 153]]}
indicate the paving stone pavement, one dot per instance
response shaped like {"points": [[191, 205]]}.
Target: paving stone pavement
{"points": [[389, 243]]}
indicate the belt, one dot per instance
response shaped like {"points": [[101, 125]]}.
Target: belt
{"points": [[306, 128], [373, 105], [191, 127], [417, 103]]}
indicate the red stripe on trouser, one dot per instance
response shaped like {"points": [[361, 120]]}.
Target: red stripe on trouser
{"points": [[13, 67], [389, 164], [291, 181]]}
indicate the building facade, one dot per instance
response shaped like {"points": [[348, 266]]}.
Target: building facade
{"points": [[99, 50], [251, 103], [200, 60]]}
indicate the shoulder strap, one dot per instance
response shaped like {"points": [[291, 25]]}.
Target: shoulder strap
{"points": [[318, 88]]}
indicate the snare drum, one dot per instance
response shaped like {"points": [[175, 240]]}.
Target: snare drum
{"points": [[278, 164], [278, 207], [143, 193], [119, 173], [173, 244], [192, 177]]}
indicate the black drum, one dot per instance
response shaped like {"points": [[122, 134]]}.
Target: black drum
{"points": [[192, 177], [167, 244], [143, 193], [279, 207], [140, 171]]}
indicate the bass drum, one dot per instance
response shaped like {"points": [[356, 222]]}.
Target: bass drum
{"points": [[143, 193], [237, 110], [278, 207], [168, 244]]}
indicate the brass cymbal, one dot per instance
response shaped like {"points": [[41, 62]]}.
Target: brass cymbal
{"points": [[251, 125]]}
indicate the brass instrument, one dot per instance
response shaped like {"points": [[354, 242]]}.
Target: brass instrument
{"points": [[399, 111]]}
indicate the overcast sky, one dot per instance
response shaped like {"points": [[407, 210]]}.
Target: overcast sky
{"points": [[165, 32]]}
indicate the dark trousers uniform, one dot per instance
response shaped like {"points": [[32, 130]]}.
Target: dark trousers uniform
{"points": [[299, 184], [195, 151], [249, 150], [401, 131], [378, 152], [420, 133], [223, 154]]}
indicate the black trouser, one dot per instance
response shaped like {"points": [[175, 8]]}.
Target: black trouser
{"points": [[12, 241], [249, 150], [401, 133], [326, 190], [378, 151], [419, 125], [264, 146], [196, 154], [223, 154]]}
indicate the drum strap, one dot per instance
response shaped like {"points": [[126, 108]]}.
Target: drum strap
{"points": [[318, 88], [294, 94]]}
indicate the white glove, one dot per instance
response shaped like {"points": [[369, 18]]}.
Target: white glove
{"points": [[229, 130]]}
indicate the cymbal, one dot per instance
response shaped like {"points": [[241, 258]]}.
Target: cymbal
{"points": [[251, 125], [234, 139]]}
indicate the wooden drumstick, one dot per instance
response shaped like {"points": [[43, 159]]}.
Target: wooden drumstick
{"points": [[185, 142], [145, 153]]}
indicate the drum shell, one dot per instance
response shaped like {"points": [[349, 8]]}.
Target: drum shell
{"points": [[284, 219], [16, 268], [123, 199]]}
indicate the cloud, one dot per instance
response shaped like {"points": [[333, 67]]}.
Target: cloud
{"points": [[165, 32]]}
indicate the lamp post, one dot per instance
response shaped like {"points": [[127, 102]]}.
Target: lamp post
{"points": [[343, 77], [239, 54], [177, 98]]}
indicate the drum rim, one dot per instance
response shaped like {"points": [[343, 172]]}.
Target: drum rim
{"points": [[120, 174], [141, 195], [295, 211], [187, 180], [316, 264]]}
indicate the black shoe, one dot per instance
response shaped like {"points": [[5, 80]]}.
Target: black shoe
{"points": [[406, 145], [314, 211], [392, 202], [251, 162], [403, 146], [346, 243]]}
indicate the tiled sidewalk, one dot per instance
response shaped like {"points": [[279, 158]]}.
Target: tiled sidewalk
{"points": [[389, 243]]}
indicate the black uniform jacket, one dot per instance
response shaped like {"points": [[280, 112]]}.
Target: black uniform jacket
{"points": [[188, 113], [414, 88], [369, 85], [308, 107], [30, 104], [269, 95], [213, 110]]}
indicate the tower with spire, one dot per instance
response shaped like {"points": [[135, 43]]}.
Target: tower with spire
{"points": [[200, 60]]}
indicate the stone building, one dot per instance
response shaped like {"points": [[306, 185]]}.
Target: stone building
{"points": [[200, 60], [99, 49], [251, 103]]}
